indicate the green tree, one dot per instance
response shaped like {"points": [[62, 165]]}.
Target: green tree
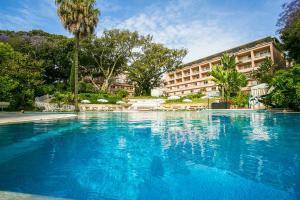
{"points": [[285, 89], [227, 78], [150, 64], [289, 29], [108, 55], [265, 72], [80, 17], [54, 50], [20, 77]]}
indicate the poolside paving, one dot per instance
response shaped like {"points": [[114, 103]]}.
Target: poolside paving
{"points": [[4, 195], [14, 118]]}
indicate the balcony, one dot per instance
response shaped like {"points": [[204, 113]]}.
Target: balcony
{"points": [[195, 77], [263, 54], [205, 69], [244, 59], [195, 71], [244, 68]]}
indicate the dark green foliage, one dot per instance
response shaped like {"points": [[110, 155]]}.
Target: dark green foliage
{"points": [[289, 29], [20, 77], [121, 93], [286, 92], [227, 78], [86, 87], [240, 100], [265, 72], [194, 96], [63, 98], [55, 50], [150, 64]]}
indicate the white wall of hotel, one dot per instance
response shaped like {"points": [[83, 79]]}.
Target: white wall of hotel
{"points": [[256, 93]]}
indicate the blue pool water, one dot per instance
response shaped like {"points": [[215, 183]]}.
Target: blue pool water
{"points": [[163, 155]]}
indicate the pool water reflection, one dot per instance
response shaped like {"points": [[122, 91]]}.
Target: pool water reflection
{"points": [[155, 155]]}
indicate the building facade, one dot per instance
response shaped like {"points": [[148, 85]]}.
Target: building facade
{"points": [[194, 77], [121, 83]]}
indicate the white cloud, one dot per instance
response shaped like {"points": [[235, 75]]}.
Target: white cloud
{"points": [[169, 26]]}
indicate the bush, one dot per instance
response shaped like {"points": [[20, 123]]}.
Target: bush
{"points": [[86, 87], [194, 96], [286, 92], [45, 89], [240, 100], [121, 93], [63, 98]]}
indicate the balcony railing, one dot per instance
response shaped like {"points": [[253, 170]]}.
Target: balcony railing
{"points": [[260, 55], [244, 60]]}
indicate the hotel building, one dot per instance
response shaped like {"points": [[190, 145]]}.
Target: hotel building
{"points": [[194, 77]]}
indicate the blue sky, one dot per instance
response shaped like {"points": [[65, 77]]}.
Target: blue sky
{"points": [[201, 26]]}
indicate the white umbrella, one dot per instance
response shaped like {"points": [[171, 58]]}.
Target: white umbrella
{"points": [[120, 102], [187, 101], [173, 97], [102, 101], [85, 101]]}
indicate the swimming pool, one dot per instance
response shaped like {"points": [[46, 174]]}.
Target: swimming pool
{"points": [[155, 155]]}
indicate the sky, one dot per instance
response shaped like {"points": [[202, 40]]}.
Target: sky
{"points": [[203, 27]]}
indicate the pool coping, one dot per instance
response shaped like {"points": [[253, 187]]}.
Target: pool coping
{"points": [[19, 119], [23, 196]]}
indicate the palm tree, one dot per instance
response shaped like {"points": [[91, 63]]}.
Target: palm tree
{"points": [[220, 78], [227, 78], [228, 61], [79, 17]]}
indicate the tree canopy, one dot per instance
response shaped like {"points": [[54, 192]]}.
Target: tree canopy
{"points": [[289, 29], [109, 55], [227, 78], [20, 77], [285, 89], [149, 64]]}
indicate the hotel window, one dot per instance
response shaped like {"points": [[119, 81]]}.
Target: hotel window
{"points": [[205, 82]]}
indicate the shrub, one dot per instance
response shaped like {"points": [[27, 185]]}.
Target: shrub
{"points": [[86, 87], [63, 98], [240, 100], [194, 96], [121, 93]]}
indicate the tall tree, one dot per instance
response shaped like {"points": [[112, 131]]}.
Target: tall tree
{"points": [[265, 72], [20, 77], [146, 71], [285, 89], [289, 29], [227, 78], [80, 17], [55, 50], [109, 55]]}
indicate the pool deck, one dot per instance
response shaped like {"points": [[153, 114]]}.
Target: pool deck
{"points": [[16, 118], [21, 196]]}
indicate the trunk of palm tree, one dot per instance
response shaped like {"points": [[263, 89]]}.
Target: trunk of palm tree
{"points": [[76, 72]]}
